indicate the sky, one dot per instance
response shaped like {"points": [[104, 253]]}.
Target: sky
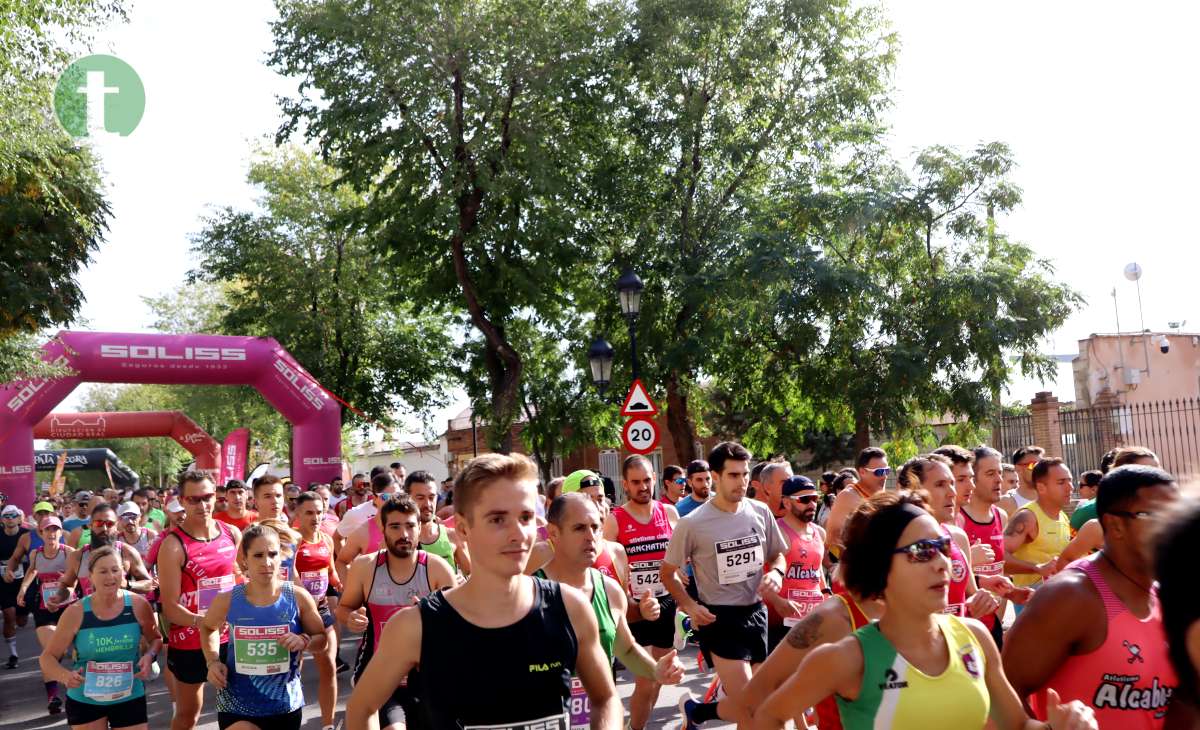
{"points": [[1091, 97]]}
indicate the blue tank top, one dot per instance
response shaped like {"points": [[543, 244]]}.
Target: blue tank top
{"points": [[263, 677], [107, 653]]}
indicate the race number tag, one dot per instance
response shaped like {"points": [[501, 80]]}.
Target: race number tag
{"points": [[108, 681], [580, 706], [208, 588], [16, 574], [551, 722], [644, 577], [316, 582], [49, 589], [257, 651], [805, 601], [739, 560]]}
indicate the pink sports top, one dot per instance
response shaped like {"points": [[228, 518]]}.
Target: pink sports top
{"points": [[802, 581], [1129, 680], [956, 596], [207, 570]]}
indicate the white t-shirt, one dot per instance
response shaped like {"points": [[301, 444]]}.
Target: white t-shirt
{"points": [[356, 517]]}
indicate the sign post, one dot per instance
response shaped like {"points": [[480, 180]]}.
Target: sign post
{"points": [[640, 434]]}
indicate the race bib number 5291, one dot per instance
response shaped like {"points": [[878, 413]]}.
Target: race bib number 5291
{"points": [[739, 560]]}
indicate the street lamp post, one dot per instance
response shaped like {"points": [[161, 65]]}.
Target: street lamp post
{"points": [[630, 287], [600, 357]]}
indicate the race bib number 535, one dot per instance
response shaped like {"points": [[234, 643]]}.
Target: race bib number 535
{"points": [[739, 560], [257, 651]]}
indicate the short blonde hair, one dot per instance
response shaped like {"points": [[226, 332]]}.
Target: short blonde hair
{"points": [[483, 470]]}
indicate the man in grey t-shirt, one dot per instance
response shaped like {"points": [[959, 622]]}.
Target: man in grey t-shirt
{"points": [[737, 552]]}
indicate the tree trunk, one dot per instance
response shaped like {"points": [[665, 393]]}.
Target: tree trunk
{"points": [[862, 430], [679, 421]]}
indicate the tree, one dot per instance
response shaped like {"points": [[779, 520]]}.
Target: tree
{"points": [[52, 210], [302, 271], [728, 98], [470, 126], [910, 301]]}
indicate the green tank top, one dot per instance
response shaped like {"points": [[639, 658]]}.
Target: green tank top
{"points": [[601, 607], [896, 695], [107, 652], [442, 547], [85, 538]]}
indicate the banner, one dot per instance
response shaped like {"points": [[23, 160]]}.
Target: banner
{"points": [[234, 452], [59, 482], [108, 472]]}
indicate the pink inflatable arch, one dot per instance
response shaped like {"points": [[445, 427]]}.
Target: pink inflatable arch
{"points": [[107, 357], [133, 424]]}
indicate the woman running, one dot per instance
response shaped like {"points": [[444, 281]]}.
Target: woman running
{"points": [[47, 564], [917, 667], [314, 570], [270, 623], [105, 631]]}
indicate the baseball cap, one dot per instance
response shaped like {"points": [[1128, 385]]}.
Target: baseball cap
{"points": [[129, 508], [174, 506], [797, 485], [44, 507], [12, 510], [49, 520], [577, 480], [84, 496]]}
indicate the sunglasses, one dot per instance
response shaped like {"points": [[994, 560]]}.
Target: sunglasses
{"points": [[103, 523], [1030, 465], [680, 480], [882, 471], [589, 482], [922, 551], [199, 498], [806, 499]]}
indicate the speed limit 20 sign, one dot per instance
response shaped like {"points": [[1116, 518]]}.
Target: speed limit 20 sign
{"points": [[640, 435]]}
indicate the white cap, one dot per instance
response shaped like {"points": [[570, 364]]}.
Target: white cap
{"points": [[12, 510], [129, 508], [174, 506]]}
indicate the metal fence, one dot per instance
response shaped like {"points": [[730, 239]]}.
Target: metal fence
{"points": [[1170, 428]]}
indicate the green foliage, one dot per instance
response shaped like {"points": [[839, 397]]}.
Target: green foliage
{"points": [[302, 271], [470, 127]]}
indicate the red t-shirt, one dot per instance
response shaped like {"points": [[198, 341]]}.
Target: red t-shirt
{"points": [[249, 518]]}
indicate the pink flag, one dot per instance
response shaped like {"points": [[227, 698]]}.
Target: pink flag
{"points": [[233, 454]]}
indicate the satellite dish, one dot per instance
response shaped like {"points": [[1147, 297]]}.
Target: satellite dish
{"points": [[1133, 272]]}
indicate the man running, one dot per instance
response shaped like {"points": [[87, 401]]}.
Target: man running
{"points": [[79, 514], [11, 517], [1089, 483], [435, 537], [729, 541], [196, 561], [236, 513], [360, 529], [103, 529], [984, 522], [1095, 633], [962, 466], [269, 499], [314, 570], [674, 479], [381, 583], [575, 528], [770, 482], [803, 587], [699, 480], [1038, 532], [358, 492], [643, 527], [873, 471], [1024, 460], [533, 633]]}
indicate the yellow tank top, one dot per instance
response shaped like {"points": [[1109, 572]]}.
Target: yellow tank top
{"points": [[1053, 537], [896, 695]]}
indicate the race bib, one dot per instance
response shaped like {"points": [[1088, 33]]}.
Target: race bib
{"points": [[257, 651], [645, 577], [580, 707], [49, 591], [316, 582], [108, 681], [805, 601], [550, 722], [17, 574], [739, 560], [208, 588]]}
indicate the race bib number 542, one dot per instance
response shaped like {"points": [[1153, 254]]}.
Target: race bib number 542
{"points": [[739, 560]]}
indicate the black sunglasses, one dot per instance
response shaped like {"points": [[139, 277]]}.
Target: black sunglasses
{"points": [[589, 482], [806, 499], [922, 551]]}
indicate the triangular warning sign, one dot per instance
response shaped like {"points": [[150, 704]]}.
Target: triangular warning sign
{"points": [[637, 402]]}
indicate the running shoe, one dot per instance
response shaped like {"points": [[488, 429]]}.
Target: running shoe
{"points": [[686, 705], [12, 662], [55, 705], [342, 666], [683, 630]]}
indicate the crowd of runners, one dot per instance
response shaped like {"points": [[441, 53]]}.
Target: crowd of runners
{"points": [[872, 598]]}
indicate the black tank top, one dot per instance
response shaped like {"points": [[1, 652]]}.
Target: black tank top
{"points": [[8, 543], [519, 676]]}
